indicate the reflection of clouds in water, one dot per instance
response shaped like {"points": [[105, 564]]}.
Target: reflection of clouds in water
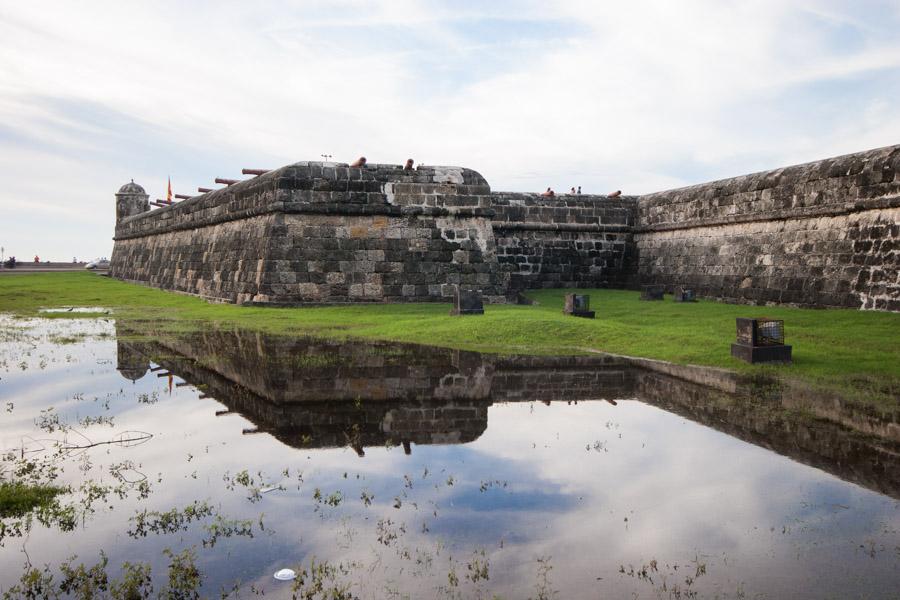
{"points": [[705, 493], [686, 490]]}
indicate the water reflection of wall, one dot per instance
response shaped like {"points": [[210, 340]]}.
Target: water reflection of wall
{"points": [[554, 378], [780, 421], [290, 369], [315, 393]]}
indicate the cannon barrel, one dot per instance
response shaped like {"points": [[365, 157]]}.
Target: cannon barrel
{"points": [[226, 181], [183, 196], [159, 204], [203, 190], [166, 202], [256, 172]]}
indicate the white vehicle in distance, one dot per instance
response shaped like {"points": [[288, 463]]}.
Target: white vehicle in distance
{"points": [[100, 263]]}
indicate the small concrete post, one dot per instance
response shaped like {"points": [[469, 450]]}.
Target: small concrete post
{"points": [[578, 305], [467, 302], [652, 292], [684, 294]]}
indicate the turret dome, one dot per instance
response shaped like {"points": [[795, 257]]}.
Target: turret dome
{"points": [[131, 188]]}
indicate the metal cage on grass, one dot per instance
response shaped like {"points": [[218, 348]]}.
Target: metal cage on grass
{"points": [[761, 340], [760, 332], [769, 332]]}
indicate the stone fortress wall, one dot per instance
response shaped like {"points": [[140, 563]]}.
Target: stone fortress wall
{"points": [[820, 234], [309, 233], [825, 233], [564, 241]]}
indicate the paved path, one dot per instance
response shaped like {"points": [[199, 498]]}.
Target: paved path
{"points": [[25, 267]]}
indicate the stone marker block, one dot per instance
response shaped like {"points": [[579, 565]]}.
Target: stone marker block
{"points": [[578, 305], [652, 292], [760, 340], [683, 294], [761, 354], [467, 302]]}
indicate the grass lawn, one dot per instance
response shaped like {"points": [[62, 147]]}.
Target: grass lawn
{"points": [[844, 349]]}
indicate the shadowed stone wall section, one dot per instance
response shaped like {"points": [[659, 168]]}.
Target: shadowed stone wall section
{"points": [[819, 234], [225, 261], [564, 241]]}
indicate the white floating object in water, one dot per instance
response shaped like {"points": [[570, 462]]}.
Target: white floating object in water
{"points": [[285, 575]]}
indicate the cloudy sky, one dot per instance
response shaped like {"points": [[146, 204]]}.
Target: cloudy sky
{"points": [[639, 96]]}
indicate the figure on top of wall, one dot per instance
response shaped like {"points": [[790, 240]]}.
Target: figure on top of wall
{"points": [[579, 190], [359, 163], [572, 191], [409, 165], [548, 193]]}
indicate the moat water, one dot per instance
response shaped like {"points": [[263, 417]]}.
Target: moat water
{"points": [[416, 473]]}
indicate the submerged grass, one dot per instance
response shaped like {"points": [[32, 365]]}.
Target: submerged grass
{"points": [[840, 348]]}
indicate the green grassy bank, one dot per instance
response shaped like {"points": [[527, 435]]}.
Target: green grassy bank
{"points": [[846, 349]]}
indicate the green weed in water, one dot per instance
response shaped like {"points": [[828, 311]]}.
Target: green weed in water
{"points": [[18, 499]]}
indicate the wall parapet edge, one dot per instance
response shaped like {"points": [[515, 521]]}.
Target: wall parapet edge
{"points": [[807, 212], [832, 182]]}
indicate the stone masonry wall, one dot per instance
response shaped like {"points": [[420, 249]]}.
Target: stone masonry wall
{"points": [[819, 234], [224, 261], [564, 241], [312, 233]]}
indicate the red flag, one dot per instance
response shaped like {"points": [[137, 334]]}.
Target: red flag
{"points": [[169, 193]]}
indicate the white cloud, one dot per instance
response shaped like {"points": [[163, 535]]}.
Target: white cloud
{"points": [[637, 96]]}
